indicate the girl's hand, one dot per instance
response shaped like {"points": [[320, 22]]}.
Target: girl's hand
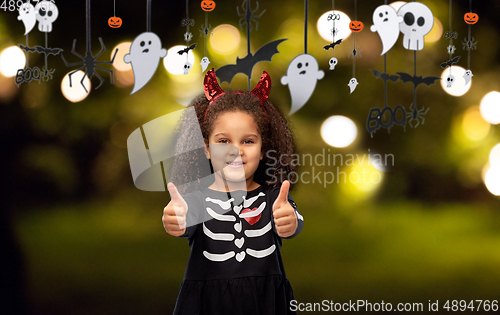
{"points": [[285, 219], [174, 214]]}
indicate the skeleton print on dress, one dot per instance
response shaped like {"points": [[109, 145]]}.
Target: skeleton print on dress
{"points": [[243, 217]]}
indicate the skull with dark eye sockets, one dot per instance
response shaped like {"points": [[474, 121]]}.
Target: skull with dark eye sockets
{"points": [[333, 62], [418, 21], [187, 67], [449, 81]]}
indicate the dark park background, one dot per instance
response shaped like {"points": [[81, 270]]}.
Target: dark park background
{"points": [[77, 237]]}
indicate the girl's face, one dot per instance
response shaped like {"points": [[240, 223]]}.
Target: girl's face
{"points": [[235, 147]]}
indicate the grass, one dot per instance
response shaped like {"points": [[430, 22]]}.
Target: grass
{"points": [[113, 257]]}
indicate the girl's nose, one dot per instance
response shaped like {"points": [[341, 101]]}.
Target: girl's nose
{"points": [[235, 150]]}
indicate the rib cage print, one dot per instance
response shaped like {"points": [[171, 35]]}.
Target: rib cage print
{"points": [[243, 215]]}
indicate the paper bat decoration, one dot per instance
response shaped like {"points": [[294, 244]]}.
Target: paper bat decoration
{"points": [[417, 80], [450, 62], [332, 45], [48, 51], [245, 65], [186, 50], [384, 76], [27, 49]]}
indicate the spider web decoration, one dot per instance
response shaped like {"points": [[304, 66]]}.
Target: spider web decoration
{"points": [[334, 31], [469, 43], [145, 54], [89, 61], [45, 12], [187, 37], [450, 79], [302, 73], [265, 53]]}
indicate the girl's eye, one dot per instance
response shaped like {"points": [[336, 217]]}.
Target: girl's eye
{"points": [[223, 141], [247, 141]]}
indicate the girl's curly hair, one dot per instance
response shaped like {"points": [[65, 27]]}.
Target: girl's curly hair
{"points": [[277, 141]]}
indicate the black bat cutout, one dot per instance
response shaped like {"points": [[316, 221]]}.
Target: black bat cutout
{"points": [[186, 50], [265, 53], [48, 51], [417, 80], [384, 76], [27, 49], [332, 45], [450, 62]]}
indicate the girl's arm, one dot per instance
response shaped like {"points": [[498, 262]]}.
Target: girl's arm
{"points": [[287, 219]]}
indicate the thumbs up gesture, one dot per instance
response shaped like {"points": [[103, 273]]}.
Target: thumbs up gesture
{"points": [[284, 215], [174, 214]]}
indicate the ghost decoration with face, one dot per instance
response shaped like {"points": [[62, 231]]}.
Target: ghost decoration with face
{"points": [[28, 15], [204, 63], [418, 21], [301, 77], [46, 14], [144, 56], [353, 83], [467, 76], [386, 23], [333, 62]]}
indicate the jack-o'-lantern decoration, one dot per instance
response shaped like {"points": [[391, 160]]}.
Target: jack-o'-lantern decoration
{"points": [[356, 26], [208, 5], [114, 22], [471, 18]]}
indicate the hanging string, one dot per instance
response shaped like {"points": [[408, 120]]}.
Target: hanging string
{"points": [[385, 71], [451, 37], [114, 8], [470, 39], [187, 29], [148, 16], [305, 25], [354, 40], [88, 25], [206, 28]]}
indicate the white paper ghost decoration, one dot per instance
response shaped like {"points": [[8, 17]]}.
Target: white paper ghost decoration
{"points": [[386, 24], [467, 76], [144, 56], [301, 77], [204, 63], [27, 14], [46, 14], [353, 83], [417, 22]]}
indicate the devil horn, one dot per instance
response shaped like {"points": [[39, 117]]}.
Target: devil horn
{"points": [[263, 88], [211, 86]]}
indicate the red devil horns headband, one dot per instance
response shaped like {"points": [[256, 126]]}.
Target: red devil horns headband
{"points": [[213, 90]]}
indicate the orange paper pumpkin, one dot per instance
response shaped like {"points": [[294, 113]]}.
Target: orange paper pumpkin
{"points": [[208, 5], [356, 26], [471, 18], [114, 22]]}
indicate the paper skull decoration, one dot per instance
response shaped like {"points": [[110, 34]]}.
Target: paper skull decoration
{"points": [[46, 14], [208, 5], [449, 80], [333, 62], [115, 22], [471, 18], [417, 22], [187, 67], [356, 26]]}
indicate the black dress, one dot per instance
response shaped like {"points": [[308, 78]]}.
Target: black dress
{"points": [[235, 263]]}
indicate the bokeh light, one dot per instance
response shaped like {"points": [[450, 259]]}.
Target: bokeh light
{"points": [[11, 59], [225, 39], [473, 125], [360, 181], [492, 180], [76, 92], [495, 156], [174, 63], [123, 49], [458, 88], [342, 25], [435, 33], [490, 107], [339, 131]]}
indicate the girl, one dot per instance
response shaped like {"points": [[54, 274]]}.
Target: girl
{"points": [[235, 221]]}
